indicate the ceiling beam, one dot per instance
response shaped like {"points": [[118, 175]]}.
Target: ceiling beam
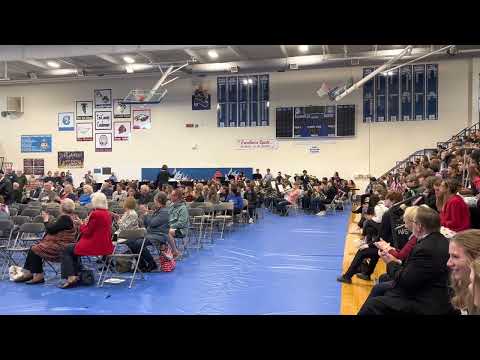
{"points": [[108, 58], [237, 52], [25, 52], [283, 48], [36, 63], [194, 54]]}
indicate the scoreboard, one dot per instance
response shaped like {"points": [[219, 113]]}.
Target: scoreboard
{"points": [[315, 121]]}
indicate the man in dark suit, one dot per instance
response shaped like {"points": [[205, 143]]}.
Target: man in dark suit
{"points": [[421, 283]]}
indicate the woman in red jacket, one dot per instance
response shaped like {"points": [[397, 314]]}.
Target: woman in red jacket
{"points": [[95, 240], [454, 212]]}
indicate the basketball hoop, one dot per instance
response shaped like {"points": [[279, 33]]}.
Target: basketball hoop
{"points": [[156, 94]]}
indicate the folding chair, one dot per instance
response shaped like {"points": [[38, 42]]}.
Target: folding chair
{"points": [[295, 207], [13, 211], [197, 219], [27, 235], [30, 212], [6, 230], [224, 218], [244, 213], [124, 236]]}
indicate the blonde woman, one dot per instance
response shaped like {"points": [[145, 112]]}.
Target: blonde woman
{"points": [[464, 248]]}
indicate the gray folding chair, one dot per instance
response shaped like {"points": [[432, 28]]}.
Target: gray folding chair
{"points": [[6, 230], [27, 235], [123, 236], [222, 218], [30, 212], [13, 211], [197, 220]]}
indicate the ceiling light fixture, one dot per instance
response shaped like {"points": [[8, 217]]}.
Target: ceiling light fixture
{"points": [[129, 69], [128, 59], [213, 54], [250, 81], [245, 82], [53, 64], [303, 48]]}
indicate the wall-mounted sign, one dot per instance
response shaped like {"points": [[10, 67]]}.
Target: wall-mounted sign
{"points": [[66, 121], [122, 130], [70, 159], [252, 144], [103, 98], [36, 143], [84, 110], [103, 120], [84, 131], [103, 142], [142, 119], [121, 110]]}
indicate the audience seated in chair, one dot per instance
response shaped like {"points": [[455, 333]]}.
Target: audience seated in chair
{"points": [[420, 283], [86, 197], [474, 287], [58, 235], [95, 240], [156, 222], [454, 212], [178, 219]]}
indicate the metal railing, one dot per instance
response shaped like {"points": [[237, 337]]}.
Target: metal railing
{"points": [[420, 153], [464, 132]]}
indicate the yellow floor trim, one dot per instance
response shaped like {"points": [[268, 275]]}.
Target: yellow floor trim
{"points": [[354, 295]]}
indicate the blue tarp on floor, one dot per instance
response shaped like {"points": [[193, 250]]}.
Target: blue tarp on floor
{"points": [[281, 265]]}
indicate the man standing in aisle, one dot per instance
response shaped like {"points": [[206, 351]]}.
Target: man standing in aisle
{"points": [[268, 177], [6, 188]]}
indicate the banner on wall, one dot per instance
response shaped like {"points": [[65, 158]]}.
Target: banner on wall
{"points": [[103, 120], [103, 98], [253, 144], [188, 174], [142, 119], [122, 130], [84, 110], [33, 166], [84, 131], [103, 142], [36, 143], [201, 99], [66, 121], [70, 159], [121, 110]]}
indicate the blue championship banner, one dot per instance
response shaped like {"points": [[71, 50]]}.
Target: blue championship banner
{"points": [[432, 92], [380, 89], [36, 143], [393, 99], [188, 174], [419, 82], [406, 90], [222, 101], [368, 97]]}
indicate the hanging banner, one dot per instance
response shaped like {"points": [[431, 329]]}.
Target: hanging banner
{"points": [[201, 99], [368, 96], [70, 159], [103, 98], [419, 88], [142, 119], [103, 142], [66, 121], [253, 144], [103, 120], [122, 130], [84, 110], [84, 131], [121, 110], [406, 89], [432, 92], [36, 143]]}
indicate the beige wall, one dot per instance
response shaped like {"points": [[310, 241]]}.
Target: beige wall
{"points": [[168, 141]]}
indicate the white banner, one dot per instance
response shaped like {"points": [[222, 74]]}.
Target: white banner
{"points": [[313, 149], [252, 144]]}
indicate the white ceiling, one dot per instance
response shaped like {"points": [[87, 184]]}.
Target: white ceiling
{"points": [[24, 62]]}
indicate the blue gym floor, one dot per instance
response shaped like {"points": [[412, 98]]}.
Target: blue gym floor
{"points": [[281, 265]]}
